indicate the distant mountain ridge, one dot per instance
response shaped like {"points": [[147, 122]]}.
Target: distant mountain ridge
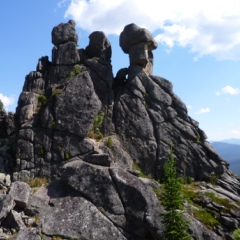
{"points": [[229, 152]]}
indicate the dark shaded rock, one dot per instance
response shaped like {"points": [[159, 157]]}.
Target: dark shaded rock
{"points": [[6, 205], [78, 218], [7, 124], [99, 46], [20, 192], [65, 54], [14, 220], [64, 32], [132, 35], [229, 223], [98, 159]]}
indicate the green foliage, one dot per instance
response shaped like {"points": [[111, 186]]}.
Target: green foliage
{"points": [[56, 91], [213, 179], [76, 70], [236, 234], [97, 122], [206, 217], [202, 214], [135, 167], [52, 124], [66, 156], [172, 199], [109, 142], [198, 139], [222, 201], [1, 106], [42, 99], [94, 131], [42, 152]]}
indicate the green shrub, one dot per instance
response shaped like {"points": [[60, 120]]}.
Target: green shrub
{"points": [[109, 142], [236, 234], [56, 91], [66, 156], [221, 201], [97, 122], [76, 70], [42, 99], [94, 131], [206, 217]]}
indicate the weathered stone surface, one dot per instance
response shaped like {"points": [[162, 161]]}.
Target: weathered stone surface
{"points": [[20, 192], [6, 205], [132, 35], [34, 83], [28, 234], [78, 218], [117, 155], [36, 205], [140, 203], [95, 183], [99, 46], [64, 32], [80, 102], [65, 54], [199, 231]]}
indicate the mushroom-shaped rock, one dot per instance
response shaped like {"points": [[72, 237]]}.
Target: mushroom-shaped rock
{"points": [[133, 35], [99, 46], [64, 32]]}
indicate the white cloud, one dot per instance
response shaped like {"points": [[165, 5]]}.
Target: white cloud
{"points": [[230, 90], [202, 26], [217, 93], [189, 106], [7, 101], [203, 110]]}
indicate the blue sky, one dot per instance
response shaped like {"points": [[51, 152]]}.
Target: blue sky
{"points": [[198, 48]]}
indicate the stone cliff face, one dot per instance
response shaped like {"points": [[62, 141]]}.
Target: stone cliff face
{"points": [[87, 130]]}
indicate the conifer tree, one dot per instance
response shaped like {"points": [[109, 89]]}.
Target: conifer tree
{"points": [[172, 197]]}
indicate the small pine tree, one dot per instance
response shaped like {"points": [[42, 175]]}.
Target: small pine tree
{"points": [[172, 198]]}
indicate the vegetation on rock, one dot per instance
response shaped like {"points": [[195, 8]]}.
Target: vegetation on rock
{"points": [[176, 226]]}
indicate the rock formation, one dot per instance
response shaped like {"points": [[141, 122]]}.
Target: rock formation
{"points": [[90, 134]]}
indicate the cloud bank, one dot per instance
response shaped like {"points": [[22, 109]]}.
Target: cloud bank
{"points": [[205, 27]]}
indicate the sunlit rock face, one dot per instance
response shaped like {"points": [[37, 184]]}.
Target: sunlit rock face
{"points": [[89, 131]]}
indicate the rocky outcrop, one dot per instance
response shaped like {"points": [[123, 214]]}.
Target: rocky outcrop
{"points": [[92, 134]]}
